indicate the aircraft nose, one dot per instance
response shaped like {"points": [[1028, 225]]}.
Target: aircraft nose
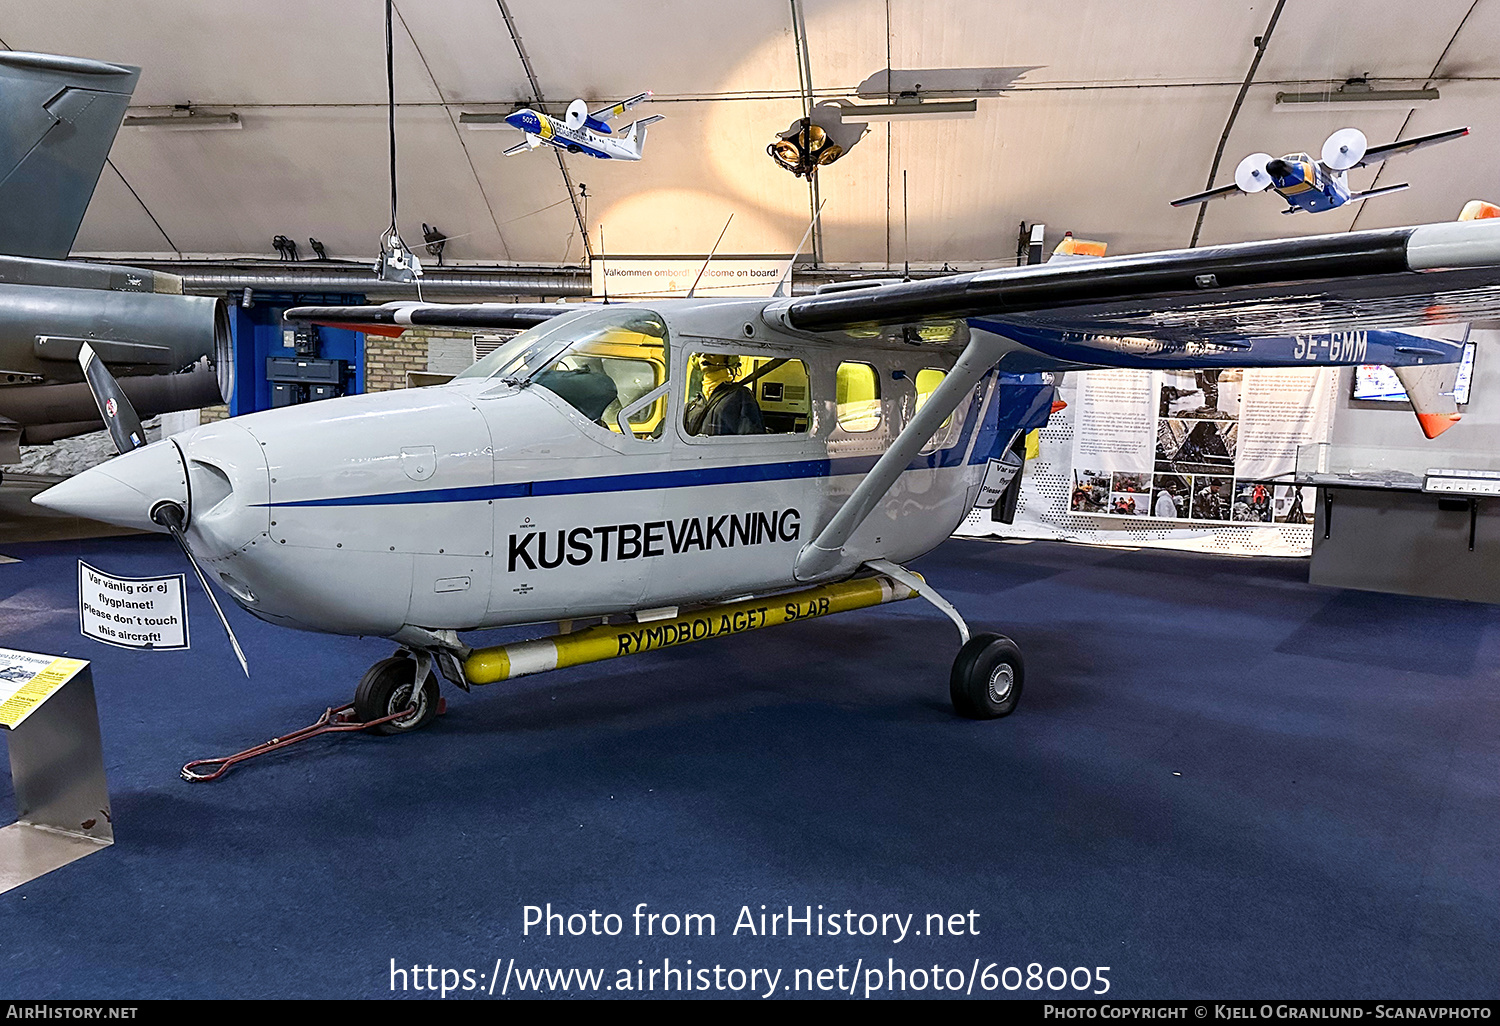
{"points": [[124, 490], [1278, 168]]}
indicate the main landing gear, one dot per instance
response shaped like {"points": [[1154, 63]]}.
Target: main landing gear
{"points": [[987, 675]]}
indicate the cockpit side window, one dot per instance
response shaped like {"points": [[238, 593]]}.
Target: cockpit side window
{"points": [[599, 364]]}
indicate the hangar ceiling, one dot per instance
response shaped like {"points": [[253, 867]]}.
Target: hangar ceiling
{"points": [[1124, 111]]}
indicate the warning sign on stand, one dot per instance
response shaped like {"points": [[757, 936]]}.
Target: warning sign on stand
{"points": [[132, 612]]}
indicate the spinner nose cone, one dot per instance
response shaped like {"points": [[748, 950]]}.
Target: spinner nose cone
{"points": [[124, 490]]}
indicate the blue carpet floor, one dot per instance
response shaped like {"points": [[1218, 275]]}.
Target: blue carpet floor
{"points": [[1221, 782]]}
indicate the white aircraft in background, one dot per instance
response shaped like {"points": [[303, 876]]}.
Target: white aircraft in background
{"points": [[582, 132], [677, 470]]}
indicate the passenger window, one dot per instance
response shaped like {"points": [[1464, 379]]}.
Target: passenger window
{"points": [[857, 397], [731, 394], [928, 380]]}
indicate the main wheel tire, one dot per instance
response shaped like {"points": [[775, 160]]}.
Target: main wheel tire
{"points": [[386, 688], [987, 677]]}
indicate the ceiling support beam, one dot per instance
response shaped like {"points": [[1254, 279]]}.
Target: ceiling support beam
{"points": [[536, 90], [1261, 42], [804, 80]]}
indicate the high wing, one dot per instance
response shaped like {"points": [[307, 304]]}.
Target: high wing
{"points": [[607, 114], [1212, 194], [1222, 295], [1375, 154], [1437, 273]]}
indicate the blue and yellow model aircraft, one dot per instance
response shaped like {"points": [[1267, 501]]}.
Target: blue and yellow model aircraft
{"points": [[583, 132], [1318, 185]]}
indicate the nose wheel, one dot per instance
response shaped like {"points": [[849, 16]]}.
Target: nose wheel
{"points": [[987, 677], [386, 689]]}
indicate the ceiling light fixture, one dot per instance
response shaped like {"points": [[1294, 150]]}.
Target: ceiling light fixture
{"points": [[185, 119], [913, 108], [1353, 94], [482, 122]]}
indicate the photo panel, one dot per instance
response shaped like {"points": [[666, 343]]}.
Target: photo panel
{"points": [[1252, 502], [1196, 446], [1291, 504], [1139, 483], [1210, 394], [1090, 491], [1128, 504], [1170, 496], [1211, 494]]}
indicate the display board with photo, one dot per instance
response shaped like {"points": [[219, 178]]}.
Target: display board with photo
{"points": [[1205, 445]]}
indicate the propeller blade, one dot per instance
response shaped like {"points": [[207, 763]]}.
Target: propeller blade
{"points": [[118, 415], [171, 516]]}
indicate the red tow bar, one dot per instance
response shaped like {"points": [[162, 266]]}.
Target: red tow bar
{"points": [[333, 721]]}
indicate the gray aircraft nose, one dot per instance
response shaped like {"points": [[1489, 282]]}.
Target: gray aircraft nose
{"points": [[123, 490]]}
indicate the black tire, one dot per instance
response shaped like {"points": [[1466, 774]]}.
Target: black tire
{"points": [[386, 688], [987, 677]]}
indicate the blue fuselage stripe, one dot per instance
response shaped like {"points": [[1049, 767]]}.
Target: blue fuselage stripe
{"points": [[698, 477]]}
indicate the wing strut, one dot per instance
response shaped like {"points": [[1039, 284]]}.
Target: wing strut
{"points": [[825, 551]]}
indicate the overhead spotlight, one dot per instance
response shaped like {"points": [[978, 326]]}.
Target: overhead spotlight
{"points": [[285, 247], [435, 240], [317, 247], [811, 142]]}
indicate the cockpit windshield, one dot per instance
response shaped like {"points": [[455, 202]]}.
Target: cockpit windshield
{"points": [[598, 362]]}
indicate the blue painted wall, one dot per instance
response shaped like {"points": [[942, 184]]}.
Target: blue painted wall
{"points": [[259, 332]]}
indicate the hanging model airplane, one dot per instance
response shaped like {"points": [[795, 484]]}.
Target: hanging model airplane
{"points": [[679, 470], [582, 132], [1315, 186]]}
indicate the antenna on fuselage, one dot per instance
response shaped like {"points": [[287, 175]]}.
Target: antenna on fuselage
{"points": [[780, 290], [694, 287], [905, 233]]}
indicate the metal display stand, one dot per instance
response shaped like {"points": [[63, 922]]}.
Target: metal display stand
{"points": [[1389, 520], [56, 767]]}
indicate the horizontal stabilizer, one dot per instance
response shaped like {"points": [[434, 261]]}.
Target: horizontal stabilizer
{"points": [[1430, 390]]}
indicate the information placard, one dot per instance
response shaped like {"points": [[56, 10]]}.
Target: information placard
{"points": [[132, 612], [27, 679]]}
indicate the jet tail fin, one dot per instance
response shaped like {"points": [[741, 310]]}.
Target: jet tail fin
{"points": [[1430, 390], [58, 119]]}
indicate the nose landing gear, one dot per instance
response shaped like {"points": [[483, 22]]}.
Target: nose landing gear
{"points": [[383, 704], [386, 689]]}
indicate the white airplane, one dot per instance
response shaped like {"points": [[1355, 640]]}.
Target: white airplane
{"points": [[679, 470], [582, 132]]}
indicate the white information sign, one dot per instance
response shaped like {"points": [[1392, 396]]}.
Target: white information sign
{"points": [[132, 612], [674, 276], [1213, 446]]}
